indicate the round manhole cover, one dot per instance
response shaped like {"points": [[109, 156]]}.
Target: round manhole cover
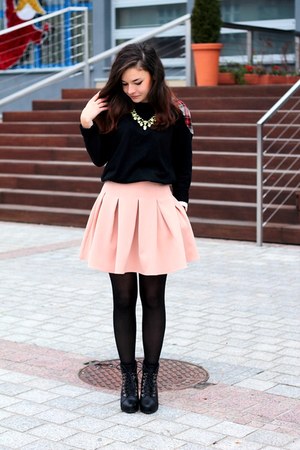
{"points": [[173, 374]]}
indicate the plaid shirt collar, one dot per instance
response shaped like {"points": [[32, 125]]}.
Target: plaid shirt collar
{"points": [[186, 114]]}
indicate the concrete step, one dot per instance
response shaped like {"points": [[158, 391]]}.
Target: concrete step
{"points": [[44, 215], [244, 160], [53, 199], [53, 182], [220, 144], [42, 116], [229, 210], [226, 176], [245, 231], [42, 140], [44, 153], [232, 91], [243, 144], [241, 193], [221, 103], [58, 168], [245, 130], [242, 116], [241, 176], [197, 91], [57, 105], [228, 130], [40, 128]]}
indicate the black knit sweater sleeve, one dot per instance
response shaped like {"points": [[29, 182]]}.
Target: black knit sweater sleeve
{"points": [[96, 145], [182, 155]]}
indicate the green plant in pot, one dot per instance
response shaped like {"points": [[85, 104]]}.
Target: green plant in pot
{"points": [[206, 22]]}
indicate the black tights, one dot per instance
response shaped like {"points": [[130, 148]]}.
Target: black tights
{"points": [[152, 294]]}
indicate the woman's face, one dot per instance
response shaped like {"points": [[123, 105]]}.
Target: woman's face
{"points": [[136, 84]]}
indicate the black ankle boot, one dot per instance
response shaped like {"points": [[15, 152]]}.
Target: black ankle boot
{"points": [[129, 390], [149, 395]]}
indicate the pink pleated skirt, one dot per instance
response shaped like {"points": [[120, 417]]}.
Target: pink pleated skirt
{"points": [[138, 227]]}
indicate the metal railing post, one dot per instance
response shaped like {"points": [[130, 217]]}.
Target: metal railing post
{"points": [[86, 49], [188, 56], [249, 45], [259, 185], [297, 54]]}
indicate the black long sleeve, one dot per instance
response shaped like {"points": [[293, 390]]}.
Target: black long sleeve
{"points": [[95, 145], [182, 154]]}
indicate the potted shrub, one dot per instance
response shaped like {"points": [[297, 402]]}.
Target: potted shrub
{"points": [[206, 25], [236, 72], [239, 74]]}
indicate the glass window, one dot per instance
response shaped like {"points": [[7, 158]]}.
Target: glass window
{"points": [[148, 16], [166, 47], [268, 48], [249, 10]]}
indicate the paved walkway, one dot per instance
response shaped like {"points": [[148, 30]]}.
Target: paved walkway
{"points": [[236, 312]]}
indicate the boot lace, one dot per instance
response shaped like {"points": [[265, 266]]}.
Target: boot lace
{"points": [[149, 384], [129, 383]]}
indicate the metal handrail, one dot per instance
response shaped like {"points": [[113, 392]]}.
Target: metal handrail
{"points": [[85, 65], [259, 163], [42, 18]]}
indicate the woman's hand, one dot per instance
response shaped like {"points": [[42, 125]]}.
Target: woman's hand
{"points": [[91, 110], [184, 204]]}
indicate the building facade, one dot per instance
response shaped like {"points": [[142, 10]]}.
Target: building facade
{"points": [[130, 18], [115, 21]]}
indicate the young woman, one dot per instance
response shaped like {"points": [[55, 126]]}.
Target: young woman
{"points": [[138, 230]]}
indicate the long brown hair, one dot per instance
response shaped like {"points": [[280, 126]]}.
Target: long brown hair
{"points": [[160, 95]]}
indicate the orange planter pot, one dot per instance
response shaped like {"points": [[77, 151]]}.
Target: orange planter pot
{"points": [[226, 78], [277, 79], [264, 79], [206, 61], [251, 78]]}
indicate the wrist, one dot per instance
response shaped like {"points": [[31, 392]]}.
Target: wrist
{"points": [[86, 122]]}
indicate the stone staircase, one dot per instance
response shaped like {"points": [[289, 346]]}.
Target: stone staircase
{"points": [[46, 175]]}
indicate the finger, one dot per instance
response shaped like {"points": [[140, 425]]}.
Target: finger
{"points": [[102, 100], [101, 104]]}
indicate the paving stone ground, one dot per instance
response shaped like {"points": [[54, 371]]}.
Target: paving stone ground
{"points": [[235, 312]]}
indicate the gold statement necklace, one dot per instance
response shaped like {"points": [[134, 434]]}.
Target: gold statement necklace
{"points": [[143, 123]]}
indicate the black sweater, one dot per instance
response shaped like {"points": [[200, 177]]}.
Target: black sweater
{"points": [[132, 154]]}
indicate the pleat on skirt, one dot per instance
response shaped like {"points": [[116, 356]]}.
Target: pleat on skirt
{"points": [[138, 227]]}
